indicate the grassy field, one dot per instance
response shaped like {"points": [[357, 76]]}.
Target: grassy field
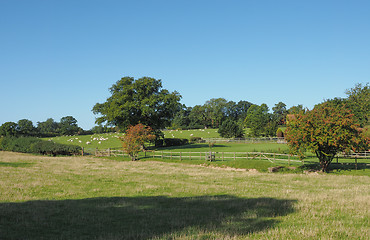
{"points": [[97, 198]]}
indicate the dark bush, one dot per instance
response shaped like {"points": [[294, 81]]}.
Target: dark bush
{"points": [[52, 148], [169, 142], [195, 139]]}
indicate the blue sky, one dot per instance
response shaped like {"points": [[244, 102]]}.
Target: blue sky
{"points": [[58, 58]]}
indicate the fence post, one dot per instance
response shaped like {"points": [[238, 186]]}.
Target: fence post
{"points": [[153, 153], [222, 156], [180, 156], [356, 162], [162, 154], [82, 151], [108, 152], [189, 155]]}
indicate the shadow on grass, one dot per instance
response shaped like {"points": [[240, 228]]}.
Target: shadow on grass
{"points": [[139, 217], [16, 164], [337, 166]]}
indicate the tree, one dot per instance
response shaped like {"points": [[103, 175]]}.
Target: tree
{"points": [[257, 119], [296, 109], [48, 128], [359, 101], [68, 126], [134, 139], [25, 128], [215, 110], [230, 129], [138, 101], [279, 113], [325, 130], [8, 129]]}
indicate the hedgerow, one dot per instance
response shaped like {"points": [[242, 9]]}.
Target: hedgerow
{"points": [[36, 145]]}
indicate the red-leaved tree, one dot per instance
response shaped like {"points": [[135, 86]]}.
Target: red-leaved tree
{"points": [[134, 139], [325, 130]]}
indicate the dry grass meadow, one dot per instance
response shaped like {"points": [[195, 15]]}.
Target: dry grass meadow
{"points": [[97, 198]]}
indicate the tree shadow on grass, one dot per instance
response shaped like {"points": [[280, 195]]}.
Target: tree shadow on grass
{"points": [[337, 166], [139, 217]]}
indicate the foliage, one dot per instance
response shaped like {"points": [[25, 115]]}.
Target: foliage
{"points": [[138, 101], [325, 130], [48, 128], [8, 129], [36, 145], [52, 148], [68, 126], [279, 133], [195, 139], [25, 128], [230, 129], [359, 101], [279, 113], [257, 119], [170, 142], [134, 139]]}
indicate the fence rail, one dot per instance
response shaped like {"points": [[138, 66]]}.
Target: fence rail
{"points": [[247, 140]]}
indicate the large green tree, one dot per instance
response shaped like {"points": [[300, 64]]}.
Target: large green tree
{"points": [[325, 130], [138, 101]]}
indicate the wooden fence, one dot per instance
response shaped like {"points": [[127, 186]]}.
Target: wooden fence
{"points": [[207, 156]]}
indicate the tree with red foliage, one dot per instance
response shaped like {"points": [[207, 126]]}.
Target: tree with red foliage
{"points": [[134, 139], [325, 130]]}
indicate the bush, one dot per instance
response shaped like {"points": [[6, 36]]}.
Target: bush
{"points": [[35, 145], [169, 142], [195, 139], [280, 133]]}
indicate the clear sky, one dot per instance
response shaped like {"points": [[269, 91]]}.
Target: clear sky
{"points": [[59, 58]]}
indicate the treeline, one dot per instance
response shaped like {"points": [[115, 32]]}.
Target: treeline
{"points": [[49, 128], [231, 117]]}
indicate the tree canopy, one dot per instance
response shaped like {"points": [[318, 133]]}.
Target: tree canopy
{"points": [[138, 101], [325, 130]]}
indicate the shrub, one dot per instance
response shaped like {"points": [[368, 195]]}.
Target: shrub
{"points": [[195, 139], [35, 145], [280, 133], [169, 142]]}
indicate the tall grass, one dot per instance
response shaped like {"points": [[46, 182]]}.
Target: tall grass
{"points": [[96, 198]]}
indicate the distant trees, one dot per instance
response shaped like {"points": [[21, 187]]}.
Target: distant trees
{"points": [[325, 130], [25, 128], [138, 101]]}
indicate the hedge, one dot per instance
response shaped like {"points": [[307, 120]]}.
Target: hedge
{"points": [[36, 145]]}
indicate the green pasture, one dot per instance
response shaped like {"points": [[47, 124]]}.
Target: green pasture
{"points": [[98, 198]]}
